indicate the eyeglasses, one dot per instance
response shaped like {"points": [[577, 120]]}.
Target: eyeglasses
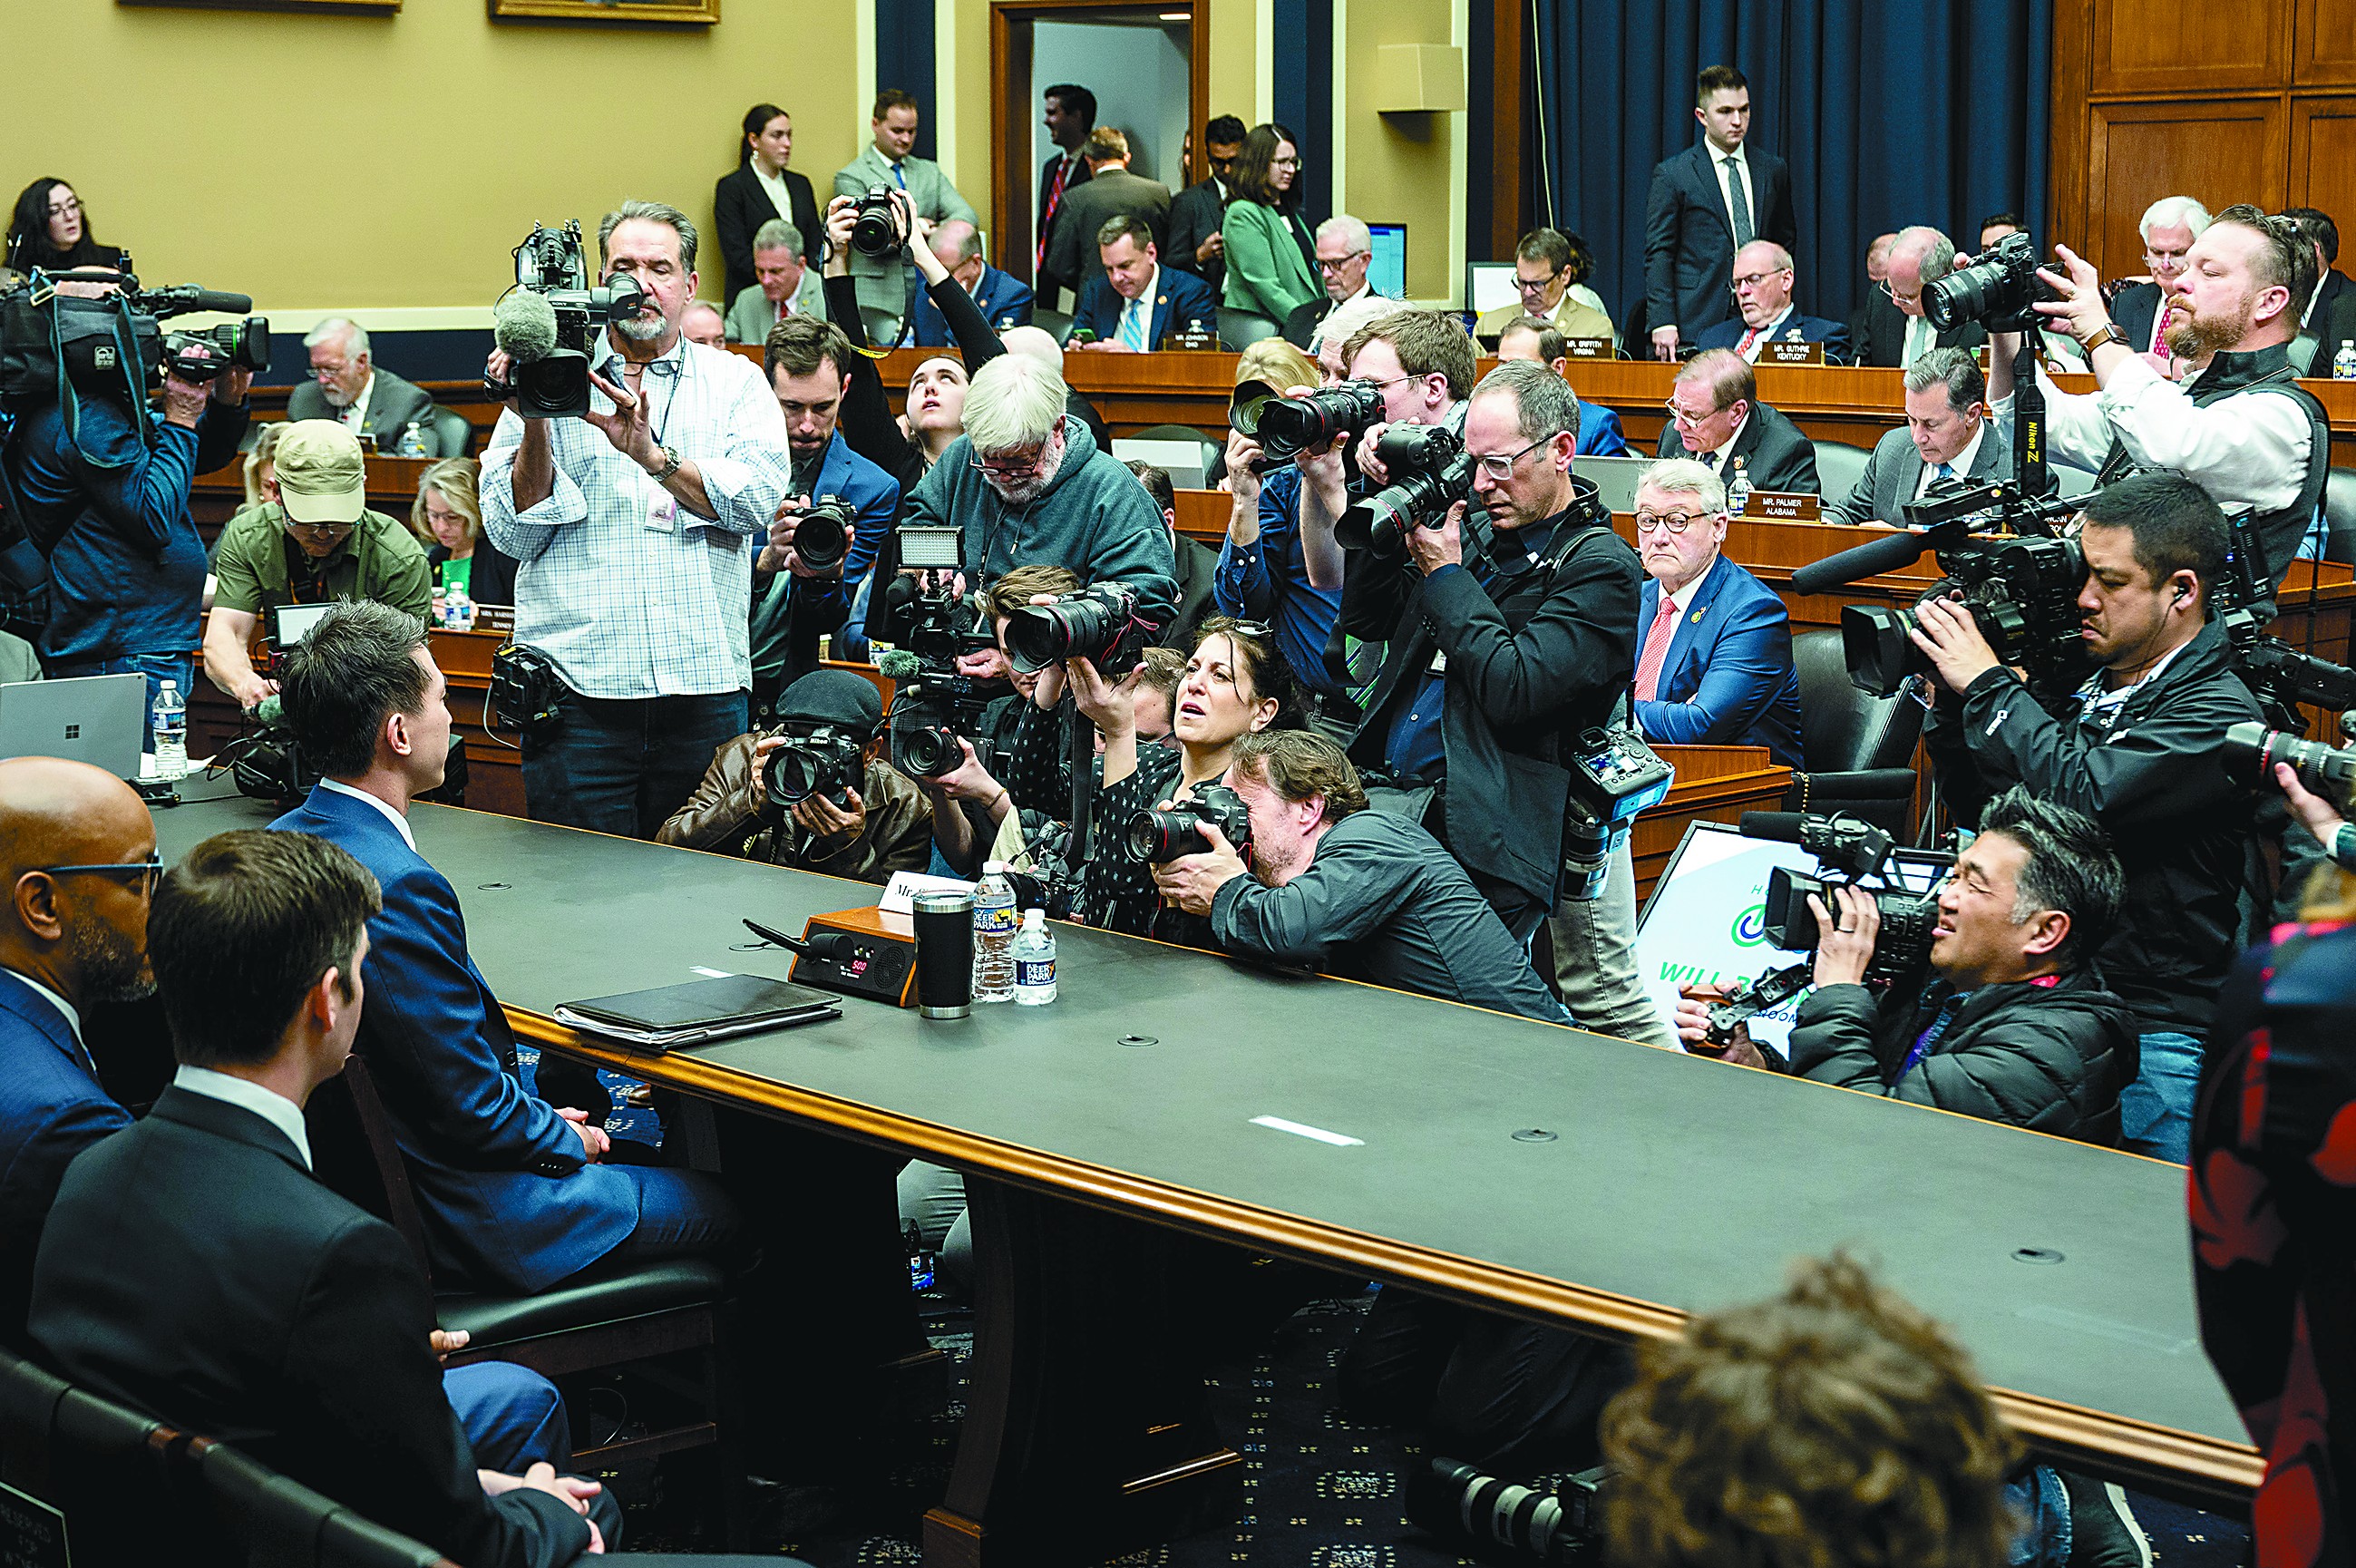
{"points": [[1500, 467], [70, 205], [1293, 163], [1013, 468], [1685, 421], [321, 529], [1675, 522], [1335, 263], [150, 871], [1895, 298], [1535, 285], [1751, 281]]}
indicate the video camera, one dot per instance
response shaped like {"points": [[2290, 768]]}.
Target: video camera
{"points": [[1285, 428], [2252, 750], [114, 346], [1996, 290], [1159, 837], [2277, 674], [933, 701], [1099, 623], [547, 321], [1433, 472], [828, 761], [1854, 855], [1614, 774]]}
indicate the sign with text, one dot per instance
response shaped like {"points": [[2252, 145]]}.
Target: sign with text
{"points": [[1703, 924], [1783, 351], [1785, 506], [32, 1533], [1587, 347]]}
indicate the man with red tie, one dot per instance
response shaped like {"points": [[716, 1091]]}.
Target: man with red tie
{"points": [[1762, 294], [1071, 115]]}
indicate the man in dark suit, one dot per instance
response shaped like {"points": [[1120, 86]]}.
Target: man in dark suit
{"points": [[761, 188], [1197, 211], [1948, 436], [2168, 226], [1707, 203], [2331, 310], [346, 386], [1345, 252], [1715, 418], [1897, 333], [1111, 192], [1003, 299], [1762, 294], [1071, 115], [1715, 665], [195, 1267], [68, 939], [1135, 301], [516, 1194]]}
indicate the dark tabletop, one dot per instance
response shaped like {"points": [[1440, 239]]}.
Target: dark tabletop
{"points": [[1671, 1179]]}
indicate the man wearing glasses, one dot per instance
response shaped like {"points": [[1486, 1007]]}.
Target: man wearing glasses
{"points": [[1762, 297], [1344, 251], [1715, 418], [1897, 333], [313, 539], [2168, 228], [1512, 629], [1550, 286], [77, 859]]}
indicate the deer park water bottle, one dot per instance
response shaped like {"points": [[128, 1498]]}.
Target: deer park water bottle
{"points": [[993, 935], [169, 722], [1034, 960], [2343, 363]]}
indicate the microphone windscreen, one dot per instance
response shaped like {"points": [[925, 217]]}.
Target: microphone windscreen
{"points": [[1901, 549], [525, 325], [1784, 827], [898, 664]]}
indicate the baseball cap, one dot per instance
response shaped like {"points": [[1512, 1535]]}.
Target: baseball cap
{"points": [[833, 697], [321, 475]]}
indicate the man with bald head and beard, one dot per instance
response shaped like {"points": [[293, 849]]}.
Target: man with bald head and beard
{"points": [[78, 864]]}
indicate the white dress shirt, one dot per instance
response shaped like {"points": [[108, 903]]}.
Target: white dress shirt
{"points": [[354, 416], [1684, 597], [779, 197], [630, 593], [275, 1109], [1142, 306], [1961, 463], [395, 817], [1758, 339], [1716, 457], [1921, 339], [1725, 195]]}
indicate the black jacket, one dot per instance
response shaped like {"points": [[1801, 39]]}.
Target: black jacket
{"points": [[194, 1269], [2155, 778], [2052, 1058], [1196, 214], [1776, 453], [1879, 332], [1689, 237], [740, 206], [1534, 659]]}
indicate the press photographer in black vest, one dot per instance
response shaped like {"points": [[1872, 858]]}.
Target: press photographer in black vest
{"points": [[2141, 750], [2015, 1024], [2239, 426]]}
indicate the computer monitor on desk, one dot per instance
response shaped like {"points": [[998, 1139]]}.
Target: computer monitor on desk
{"points": [[1489, 284], [1386, 272], [98, 719]]}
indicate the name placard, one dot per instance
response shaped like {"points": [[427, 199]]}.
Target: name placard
{"points": [[1587, 347], [1190, 341], [1778, 352], [1785, 506]]}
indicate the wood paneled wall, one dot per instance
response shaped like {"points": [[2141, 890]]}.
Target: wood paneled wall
{"points": [[2254, 101]]}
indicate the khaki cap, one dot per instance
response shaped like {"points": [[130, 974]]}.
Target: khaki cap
{"points": [[322, 477]]}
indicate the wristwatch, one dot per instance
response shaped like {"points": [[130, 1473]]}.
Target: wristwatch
{"points": [[671, 461], [2109, 334]]}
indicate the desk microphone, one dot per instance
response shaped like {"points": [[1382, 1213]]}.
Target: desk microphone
{"points": [[833, 946], [1902, 548], [524, 325]]}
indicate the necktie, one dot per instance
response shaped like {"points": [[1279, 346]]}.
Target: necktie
{"points": [[1946, 472], [1738, 203], [1132, 324], [1920, 339], [1656, 649], [1750, 343], [1047, 213], [901, 174], [1710, 461]]}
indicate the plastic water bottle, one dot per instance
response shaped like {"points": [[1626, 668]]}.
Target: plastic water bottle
{"points": [[413, 443], [2343, 363], [1034, 960], [993, 935], [1738, 488], [457, 609], [169, 721], [920, 1258]]}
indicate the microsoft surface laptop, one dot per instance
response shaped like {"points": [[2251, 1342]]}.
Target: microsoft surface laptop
{"points": [[1615, 479], [98, 719]]}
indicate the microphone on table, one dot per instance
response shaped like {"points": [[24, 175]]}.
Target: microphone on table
{"points": [[834, 946], [524, 325], [1901, 549]]}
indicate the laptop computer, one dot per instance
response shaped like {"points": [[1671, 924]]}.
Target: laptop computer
{"points": [[98, 719], [1615, 479], [1183, 461]]}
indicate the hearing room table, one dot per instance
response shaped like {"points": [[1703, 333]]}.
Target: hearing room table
{"points": [[1539, 1171]]}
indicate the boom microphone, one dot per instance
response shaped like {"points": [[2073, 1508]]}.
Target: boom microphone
{"points": [[181, 298], [1901, 549], [524, 325]]}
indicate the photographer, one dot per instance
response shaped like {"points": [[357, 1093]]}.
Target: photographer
{"points": [[2141, 752], [1500, 655], [2017, 1027], [634, 529], [105, 498], [2240, 427], [1359, 893], [1424, 366], [882, 825]]}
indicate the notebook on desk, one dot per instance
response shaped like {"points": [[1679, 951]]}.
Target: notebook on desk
{"points": [[699, 1011]]}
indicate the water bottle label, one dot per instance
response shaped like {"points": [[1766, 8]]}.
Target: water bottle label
{"points": [[1034, 972], [993, 919]]}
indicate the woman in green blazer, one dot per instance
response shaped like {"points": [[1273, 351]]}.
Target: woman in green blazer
{"points": [[1267, 245]]}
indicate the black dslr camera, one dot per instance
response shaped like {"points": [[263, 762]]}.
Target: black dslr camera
{"points": [[1851, 855], [1285, 428], [1158, 837], [822, 532], [875, 226], [1996, 291], [2252, 750], [827, 761], [1099, 623], [933, 701], [2021, 592], [1431, 473], [549, 340]]}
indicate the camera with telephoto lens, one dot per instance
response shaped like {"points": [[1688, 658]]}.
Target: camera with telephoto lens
{"points": [[1849, 853], [202, 355], [822, 532], [2021, 592], [1430, 472], [113, 345], [553, 382], [1996, 290], [1098, 623], [874, 225], [1285, 428], [933, 701], [1158, 837], [827, 761], [1504, 1522], [2252, 750]]}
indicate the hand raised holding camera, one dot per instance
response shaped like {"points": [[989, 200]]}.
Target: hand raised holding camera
{"points": [[1443, 546], [1845, 943]]}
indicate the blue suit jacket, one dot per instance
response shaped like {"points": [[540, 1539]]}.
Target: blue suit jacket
{"points": [[1728, 679], [1599, 435], [1796, 329], [508, 1199], [1178, 298], [1003, 299], [823, 604], [51, 1109]]}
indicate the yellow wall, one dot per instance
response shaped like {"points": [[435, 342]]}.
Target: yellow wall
{"points": [[1398, 168], [319, 161]]}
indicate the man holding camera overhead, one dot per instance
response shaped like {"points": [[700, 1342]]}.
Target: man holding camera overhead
{"points": [[2140, 749], [635, 529]]}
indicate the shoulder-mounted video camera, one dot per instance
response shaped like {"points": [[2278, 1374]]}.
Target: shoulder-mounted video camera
{"points": [[547, 322], [1849, 853], [2277, 674], [56, 344]]}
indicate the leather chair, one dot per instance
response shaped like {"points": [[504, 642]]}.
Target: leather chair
{"points": [[1858, 749], [1840, 467], [453, 432], [2340, 515], [282, 1521], [113, 1473], [1053, 323]]}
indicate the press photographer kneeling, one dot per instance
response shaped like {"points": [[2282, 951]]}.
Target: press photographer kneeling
{"points": [[2017, 1025]]}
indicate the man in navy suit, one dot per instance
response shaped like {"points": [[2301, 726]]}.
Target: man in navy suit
{"points": [[516, 1194], [1137, 299], [1534, 338], [1715, 666], [1762, 294], [75, 847], [2168, 226], [1003, 299], [1707, 203]]}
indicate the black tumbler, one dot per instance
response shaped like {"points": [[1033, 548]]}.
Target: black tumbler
{"points": [[944, 954]]}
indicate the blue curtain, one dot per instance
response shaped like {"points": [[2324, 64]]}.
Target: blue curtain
{"points": [[1932, 111], [904, 59], [1303, 84]]}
